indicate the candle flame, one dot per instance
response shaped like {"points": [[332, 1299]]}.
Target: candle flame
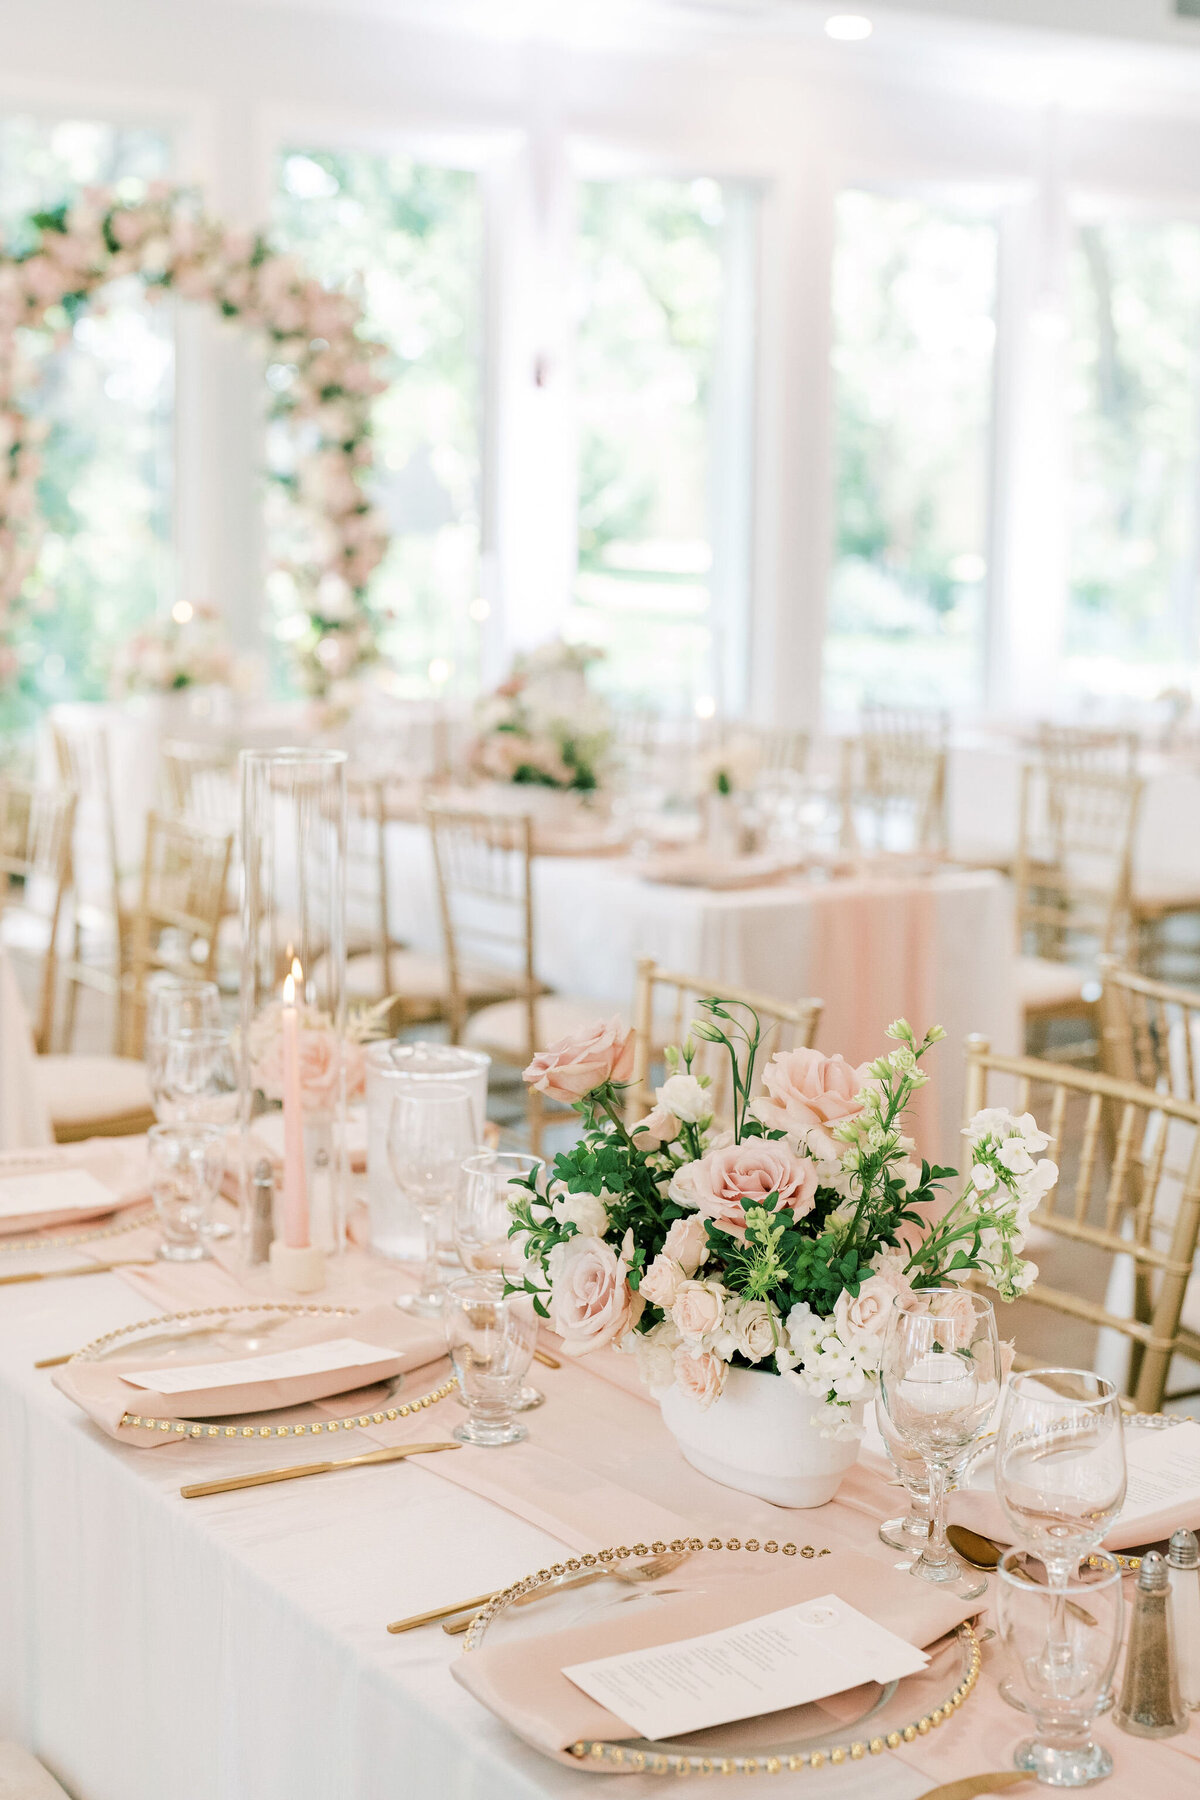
{"points": [[293, 982]]}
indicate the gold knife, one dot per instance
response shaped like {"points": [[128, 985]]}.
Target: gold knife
{"points": [[547, 1361], [972, 1785], [132, 1262], [443, 1612], [297, 1471]]}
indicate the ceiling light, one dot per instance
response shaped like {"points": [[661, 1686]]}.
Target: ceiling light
{"points": [[848, 28]]}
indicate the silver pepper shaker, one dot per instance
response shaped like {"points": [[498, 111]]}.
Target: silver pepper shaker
{"points": [[1183, 1556], [1150, 1706], [261, 1232]]}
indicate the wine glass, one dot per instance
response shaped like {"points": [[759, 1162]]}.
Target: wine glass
{"points": [[1063, 1694], [940, 1380], [174, 1003], [1060, 1464], [481, 1221], [491, 1337], [431, 1132], [198, 1079], [910, 1533]]}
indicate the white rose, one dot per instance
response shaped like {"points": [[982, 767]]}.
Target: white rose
{"points": [[585, 1211], [590, 1302], [698, 1308], [755, 1329], [684, 1096]]}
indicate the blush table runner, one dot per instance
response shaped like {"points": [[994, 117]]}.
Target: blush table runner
{"points": [[236, 1645]]}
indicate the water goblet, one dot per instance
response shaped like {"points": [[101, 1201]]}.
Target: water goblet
{"points": [[491, 1337], [198, 1080], [940, 1380], [481, 1220], [1060, 1464], [431, 1131], [186, 1163], [911, 1533], [1064, 1693]]}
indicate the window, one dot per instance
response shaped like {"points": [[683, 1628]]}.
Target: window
{"points": [[105, 488], [913, 321], [408, 237], [1135, 454], [664, 378]]}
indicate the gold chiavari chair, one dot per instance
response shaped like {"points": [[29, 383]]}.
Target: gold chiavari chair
{"points": [[101, 906], [893, 780], [379, 966], [1072, 885], [35, 872], [174, 927], [783, 753], [1150, 1031], [496, 1003], [200, 784], [1083, 748], [663, 1010], [1118, 1204]]}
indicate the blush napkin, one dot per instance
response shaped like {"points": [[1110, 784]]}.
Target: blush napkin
{"points": [[524, 1685], [120, 1164], [97, 1387]]}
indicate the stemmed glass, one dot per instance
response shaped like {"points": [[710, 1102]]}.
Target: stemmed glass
{"points": [[910, 1533], [940, 1380], [1065, 1693], [481, 1221], [1060, 1477], [174, 1003], [431, 1132], [198, 1077], [491, 1337]]}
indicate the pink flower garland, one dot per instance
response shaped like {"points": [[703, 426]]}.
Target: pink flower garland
{"points": [[325, 376]]}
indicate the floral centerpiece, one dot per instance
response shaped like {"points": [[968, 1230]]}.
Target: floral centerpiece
{"points": [[543, 727], [774, 1244], [174, 653]]}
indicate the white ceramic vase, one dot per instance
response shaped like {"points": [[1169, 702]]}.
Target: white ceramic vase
{"points": [[763, 1436]]}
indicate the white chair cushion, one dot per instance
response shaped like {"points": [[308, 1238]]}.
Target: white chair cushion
{"points": [[1043, 984], [501, 1029], [94, 1090], [22, 1776], [1164, 892]]}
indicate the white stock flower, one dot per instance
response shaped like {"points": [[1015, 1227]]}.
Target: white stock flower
{"points": [[654, 1351], [684, 1096], [754, 1327]]}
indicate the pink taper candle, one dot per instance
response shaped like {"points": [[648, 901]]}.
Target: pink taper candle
{"points": [[295, 1185]]}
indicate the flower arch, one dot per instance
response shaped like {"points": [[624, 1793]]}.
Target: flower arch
{"points": [[322, 372]]}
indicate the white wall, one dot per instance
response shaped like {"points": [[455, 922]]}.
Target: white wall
{"points": [[803, 119]]}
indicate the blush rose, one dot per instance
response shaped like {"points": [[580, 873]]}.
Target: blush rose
{"points": [[582, 1061], [807, 1093]]}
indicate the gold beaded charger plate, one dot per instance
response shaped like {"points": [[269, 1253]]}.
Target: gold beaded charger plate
{"points": [[848, 1728], [226, 1333]]}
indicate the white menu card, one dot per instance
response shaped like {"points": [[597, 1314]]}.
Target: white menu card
{"points": [[65, 1190], [1164, 1470], [278, 1365], [786, 1658]]}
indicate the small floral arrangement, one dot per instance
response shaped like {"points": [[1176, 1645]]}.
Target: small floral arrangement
{"points": [[778, 1243], [172, 653], [323, 1055], [543, 726], [734, 767]]}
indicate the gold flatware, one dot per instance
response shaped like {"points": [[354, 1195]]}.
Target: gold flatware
{"points": [[100, 1268], [296, 1472], [547, 1361], [647, 1571], [971, 1785], [53, 1362], [443, 1612]]}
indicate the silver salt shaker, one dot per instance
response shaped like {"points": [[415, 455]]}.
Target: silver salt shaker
{"points": [[262, 1212]]}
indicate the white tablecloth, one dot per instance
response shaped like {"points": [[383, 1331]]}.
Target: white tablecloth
{"points": [[984, 781], [234, 1648], [24, 1121], [938, 949]]}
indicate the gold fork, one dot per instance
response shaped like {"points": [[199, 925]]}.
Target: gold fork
{"points": [[648, 1571]]}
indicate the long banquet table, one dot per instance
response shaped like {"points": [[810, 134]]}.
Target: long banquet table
{"points": [[937, 949], [234, 1648]]}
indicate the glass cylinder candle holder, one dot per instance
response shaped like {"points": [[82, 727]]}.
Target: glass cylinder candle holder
{"points": [[293, 1052]]}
